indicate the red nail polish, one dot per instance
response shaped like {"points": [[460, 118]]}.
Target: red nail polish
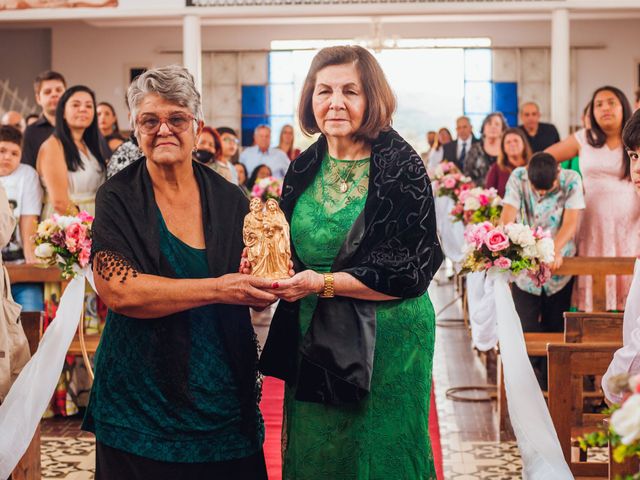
{"points": [[275, 285]]}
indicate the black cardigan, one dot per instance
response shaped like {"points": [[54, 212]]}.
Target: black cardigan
{"points": [[392, 248]]}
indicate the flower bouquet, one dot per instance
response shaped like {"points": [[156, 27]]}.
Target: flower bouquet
{"points": [[623, 435], [514, 248], [449, 182], [65, 241], [477, 205], [266, 188]]}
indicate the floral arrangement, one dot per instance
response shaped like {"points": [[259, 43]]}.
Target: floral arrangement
{"points": [[514, 248], [477, 205], [624, 432], [449, 182], [65, 241], [266, 188]]}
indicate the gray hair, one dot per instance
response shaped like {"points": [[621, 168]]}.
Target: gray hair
{"points": [[173, 83]]}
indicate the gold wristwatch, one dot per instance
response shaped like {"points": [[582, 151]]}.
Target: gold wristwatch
{"points": [[328, 291]]}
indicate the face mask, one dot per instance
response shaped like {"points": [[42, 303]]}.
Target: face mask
{"points": [[203, 156]]}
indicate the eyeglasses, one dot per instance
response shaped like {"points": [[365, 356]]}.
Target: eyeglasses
{"points": [[150, 124], [231, 140]]}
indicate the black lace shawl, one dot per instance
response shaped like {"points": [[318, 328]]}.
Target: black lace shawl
{"points": [[392, 248], [126, 231]]}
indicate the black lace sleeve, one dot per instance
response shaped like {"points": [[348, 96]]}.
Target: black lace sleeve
{"points": [[108, 264]]}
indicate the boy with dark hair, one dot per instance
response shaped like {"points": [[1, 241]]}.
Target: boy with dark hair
{"points": [[544, 195], [24, 192], [48, 87]]}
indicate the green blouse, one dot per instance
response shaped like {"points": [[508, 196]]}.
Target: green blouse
{"points": [[127, 409]]}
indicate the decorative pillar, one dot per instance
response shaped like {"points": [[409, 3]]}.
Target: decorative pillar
{"points": [[192, 47], [560, 71]]}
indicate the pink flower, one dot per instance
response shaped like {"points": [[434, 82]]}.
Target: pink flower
{"points": [[483, 199], [496, 240], [475, 234], [85, 252], [85, 217], [541, 276], [445, 166], [502, 262], [465, 186], [449, 182], [75, 234], [464, 194], [539, 233]]}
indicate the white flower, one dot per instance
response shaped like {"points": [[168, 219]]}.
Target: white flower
{"points": [[546, 250], [496, 202], [44, 250], [46, 228], [64, 221], [530, 251], [471, 203], [520, 234], [626, 421]]}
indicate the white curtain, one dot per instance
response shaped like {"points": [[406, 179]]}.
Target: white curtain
{"points": [[30, 394]]}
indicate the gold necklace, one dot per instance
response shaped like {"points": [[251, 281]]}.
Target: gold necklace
{"points": [[344, 186]]}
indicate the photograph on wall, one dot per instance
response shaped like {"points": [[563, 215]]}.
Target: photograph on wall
{"points": [[26, 4]]}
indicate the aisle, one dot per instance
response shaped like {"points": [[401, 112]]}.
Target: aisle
{"points": [[471, 447]]}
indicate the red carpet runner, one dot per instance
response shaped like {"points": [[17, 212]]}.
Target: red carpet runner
{"points": [[271, 407]]}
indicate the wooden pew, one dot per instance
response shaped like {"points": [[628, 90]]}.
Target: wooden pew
{"points": [[568, 365], [630, 466], [29, 467]]}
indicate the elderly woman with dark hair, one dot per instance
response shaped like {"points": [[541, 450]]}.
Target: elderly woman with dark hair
{"points": [[483, 154], [354, 333], [175, 393]]}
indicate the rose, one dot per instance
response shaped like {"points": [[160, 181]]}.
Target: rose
{"points": [[85, 252], [64, 221], [44, 250], [502, 262], [496, 240], [475, 234], [626, 422], [85, 217], [483, 199], [75, 234], [449, 182], [471, 203], [58, 238]]}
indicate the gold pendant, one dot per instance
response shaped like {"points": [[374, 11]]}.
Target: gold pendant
{"points": [[344, 187]]}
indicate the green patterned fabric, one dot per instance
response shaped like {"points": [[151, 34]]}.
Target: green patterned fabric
{"points": [[386, 435], [127, 409]]}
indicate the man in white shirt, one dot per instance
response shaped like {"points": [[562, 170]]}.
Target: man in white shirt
{"points": [[457, 151], [261, 153]]}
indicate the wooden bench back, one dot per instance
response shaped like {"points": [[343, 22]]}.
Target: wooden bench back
{"points": [[32, 326], [596, 327], [568, 365], [597, 268]]}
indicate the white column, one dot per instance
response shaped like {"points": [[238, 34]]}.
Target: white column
{"points": [[560, 71], [192, 47]]}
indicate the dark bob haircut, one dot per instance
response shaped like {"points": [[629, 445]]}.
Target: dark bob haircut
{"points": [[631, 132], [10, 134], [380, 100]]}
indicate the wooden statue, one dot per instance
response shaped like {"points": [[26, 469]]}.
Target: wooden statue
{"points": [[266, 236]]}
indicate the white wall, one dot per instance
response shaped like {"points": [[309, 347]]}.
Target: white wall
{"points": [[100, 57]]}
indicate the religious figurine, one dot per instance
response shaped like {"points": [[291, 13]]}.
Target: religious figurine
{"points": [[266, 236]]}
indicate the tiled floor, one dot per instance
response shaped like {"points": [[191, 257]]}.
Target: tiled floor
{"points": [[470, 441]]}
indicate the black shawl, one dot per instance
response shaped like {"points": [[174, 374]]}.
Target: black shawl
{"points": [[126, 230], [392, 248]]}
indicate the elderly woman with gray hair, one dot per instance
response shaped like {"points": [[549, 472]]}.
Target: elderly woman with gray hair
{"points": [[175, 393]]}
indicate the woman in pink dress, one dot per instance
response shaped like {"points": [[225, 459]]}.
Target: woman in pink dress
{"points": [[610, 224]]}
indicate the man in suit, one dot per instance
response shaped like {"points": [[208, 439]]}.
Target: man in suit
{"points": [[457, 151]]}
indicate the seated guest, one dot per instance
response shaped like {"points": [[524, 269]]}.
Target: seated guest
{"points": [[484, 153], [514, 152], [540, 135], [49, 87], [261, 171], [437, 151], [286, 142], [262, 153], [22, 186], [70, 162], [13, 119], [108, 124], [627, 358], [209, 152], [544, 195]]}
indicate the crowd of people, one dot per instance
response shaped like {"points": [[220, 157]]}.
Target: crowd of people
{"points": [[177, 397]]}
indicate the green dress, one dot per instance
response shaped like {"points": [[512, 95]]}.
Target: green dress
{"points": [[386, 436]]}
